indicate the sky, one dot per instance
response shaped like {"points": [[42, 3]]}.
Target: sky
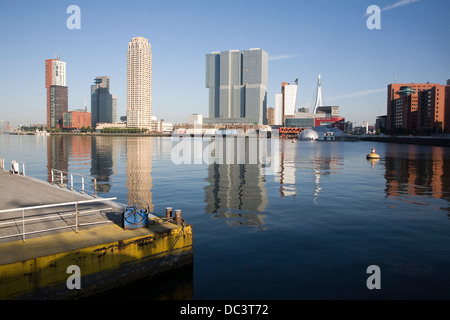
{"points": [[302, 38]]}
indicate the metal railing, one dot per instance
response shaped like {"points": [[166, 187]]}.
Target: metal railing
{"points": [[67, 179], [53, 215], [15, 166]]}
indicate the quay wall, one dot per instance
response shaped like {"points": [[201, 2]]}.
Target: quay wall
{"points": [[427, 141], [102, 266]]}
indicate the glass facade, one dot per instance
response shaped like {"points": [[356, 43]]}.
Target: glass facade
{"points": [[103, 104], [237, 82]]}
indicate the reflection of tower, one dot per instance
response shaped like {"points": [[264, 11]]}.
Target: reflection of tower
{"points": [[324, 164], [102, 162], [57, 153], [235, 186], [319, 98], [139, 166], [317, 186], [287, 175]]}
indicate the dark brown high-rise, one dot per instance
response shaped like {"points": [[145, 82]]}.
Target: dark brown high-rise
{"points": [[57, 93]]}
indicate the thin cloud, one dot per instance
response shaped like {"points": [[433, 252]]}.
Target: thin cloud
{"points": [[358, 94], [281, 57], [400, 3]]}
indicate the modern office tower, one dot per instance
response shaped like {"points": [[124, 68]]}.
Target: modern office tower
{"points": [[57, 98], [139, 83], [278, 109], [237, 82], [285, 102], [103, 103], [289, 92]]}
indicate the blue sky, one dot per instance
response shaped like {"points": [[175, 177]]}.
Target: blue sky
{"points": [[303, 39]]}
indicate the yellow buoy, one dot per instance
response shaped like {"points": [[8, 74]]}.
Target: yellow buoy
{"points": [[373, 155]]}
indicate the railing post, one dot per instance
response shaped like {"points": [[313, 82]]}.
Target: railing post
{"points": [[61, 181], [95, 187], [53, 179], [23, 169], [76, 217], [23, 224], [82, 184], [71, 182]]}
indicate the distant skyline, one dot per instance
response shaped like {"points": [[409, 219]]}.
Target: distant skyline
{"points": [[302, 38]]}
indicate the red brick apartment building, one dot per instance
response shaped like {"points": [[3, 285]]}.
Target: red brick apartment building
{"points": [[418, 107], [76, 119]]}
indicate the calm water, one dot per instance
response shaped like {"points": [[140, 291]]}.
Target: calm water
{"points": [[307, 232]]}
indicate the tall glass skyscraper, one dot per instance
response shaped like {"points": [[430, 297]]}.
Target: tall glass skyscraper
{"points": [[103, 103], [237, 82], [139, 83]]}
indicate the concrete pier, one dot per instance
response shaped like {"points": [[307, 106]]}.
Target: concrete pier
{"points": [[65, 263]]}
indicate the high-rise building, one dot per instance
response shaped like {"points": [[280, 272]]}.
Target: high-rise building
{"points": [[103, 103], [278, 109], [271, 116], [417, 107], [289, 92], [57, 92], [237, 82], [59, 101], [285, 102], [139, 83]]}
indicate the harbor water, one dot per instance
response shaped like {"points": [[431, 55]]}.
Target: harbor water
{"points": [[310, 230]]}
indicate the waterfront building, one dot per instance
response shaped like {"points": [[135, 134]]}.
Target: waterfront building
{"points": [[271, 116], [76, 119], [380, 123], [195, 119], [279, 109], [285, 102], [162, 126], [237, 82], [58, 104], [103, 103], [57, 91], [139, 83], [4, 126], [447, 108], [417, 107], [327, 116], [289, 100]]}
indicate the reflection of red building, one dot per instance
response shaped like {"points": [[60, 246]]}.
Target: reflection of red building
{"points": [[334, 122]]}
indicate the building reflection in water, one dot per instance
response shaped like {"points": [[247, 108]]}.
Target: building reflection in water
{"points": [[414, 173], [325, 161], [139, 167], [102, 164], [236, 191], [57, 154]]}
